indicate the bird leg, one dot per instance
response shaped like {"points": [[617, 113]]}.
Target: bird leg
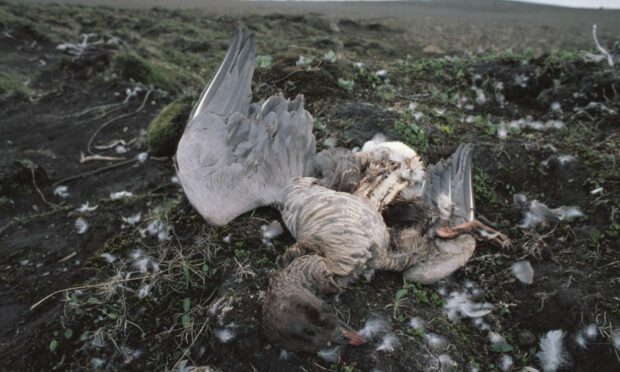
{"points": [[476, 228]]}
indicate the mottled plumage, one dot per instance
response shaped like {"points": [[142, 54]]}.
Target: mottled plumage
{"points": [[235, 156]]}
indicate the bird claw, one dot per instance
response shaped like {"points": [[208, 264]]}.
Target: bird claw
{"points": [[478, 230]]}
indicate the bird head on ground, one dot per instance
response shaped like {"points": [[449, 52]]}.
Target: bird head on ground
{"points": [[295, 318], [300, 321]]}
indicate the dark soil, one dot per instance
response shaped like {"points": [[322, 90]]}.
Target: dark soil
{"points": [[98, 318]]}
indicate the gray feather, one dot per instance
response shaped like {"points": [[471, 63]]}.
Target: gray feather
{"points": [[452, 177], [233, 156], [230, 90]]}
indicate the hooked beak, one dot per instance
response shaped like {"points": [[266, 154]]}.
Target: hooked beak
{"points": [[349, 336]]}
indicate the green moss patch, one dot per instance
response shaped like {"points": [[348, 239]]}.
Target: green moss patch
{"points": [[165, 130]]}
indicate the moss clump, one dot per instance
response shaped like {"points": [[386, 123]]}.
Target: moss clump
{"points": [[165, 130], [12, 84], [130, 66]]}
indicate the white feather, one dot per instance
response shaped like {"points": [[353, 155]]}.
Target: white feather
{"points": [[417, 323], [506, 362], [552, 355], [81, 226], [389, 342], [523, 271], [330, 355], [373, 327], [120, 195]]}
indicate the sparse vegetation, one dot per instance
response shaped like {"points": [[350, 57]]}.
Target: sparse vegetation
{"points": [[164, 299]]}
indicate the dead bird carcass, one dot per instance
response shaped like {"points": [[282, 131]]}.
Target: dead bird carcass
{"points": [[235, 156]]}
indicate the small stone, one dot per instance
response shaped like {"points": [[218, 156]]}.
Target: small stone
{"points": [[526, 338]]}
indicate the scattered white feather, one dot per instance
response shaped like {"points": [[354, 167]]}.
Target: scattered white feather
{"points": [[97, 362], [175, 179], [163, 235], [416, 323], [284, 355], [159, 229], [373, 327], [583, 336], [226, 239], [502, 132], [536, 213], [86, 208], [434, 340], [580, 340], [481, 98], [331, 355], [521, 80], [389, 342], [142, 157], [523, 271], [480, 324], [120, 195], [459, 304], [556, 107], [446, 363], [496, 338], [440, 111], [81, 226], [274, 229], [109, 258], [565, 159], [615, 339], [120, 149], [23, 262], [381, 73], [132, 220], [506, 362], [598, 190], [144, 290], [552, 355], [62, 191], [225, 335], [142, 265], [590, 331]]}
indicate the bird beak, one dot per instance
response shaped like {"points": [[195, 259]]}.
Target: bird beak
{"points": [[350, 337]]}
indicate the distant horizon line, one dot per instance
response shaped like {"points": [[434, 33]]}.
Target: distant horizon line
{"points": [[573, 4]]}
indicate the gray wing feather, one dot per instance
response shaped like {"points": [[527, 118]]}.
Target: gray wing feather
{"points": [[452, 178], [233, 156], [230, 90]]}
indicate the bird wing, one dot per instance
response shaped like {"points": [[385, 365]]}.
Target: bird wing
{"points": [[234, 156], [448, 186]]}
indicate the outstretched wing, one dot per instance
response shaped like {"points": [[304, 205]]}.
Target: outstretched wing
{"points": [[449, 188], [230, 90], [233, 156]]}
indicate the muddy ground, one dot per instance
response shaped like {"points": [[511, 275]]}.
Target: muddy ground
{"points": [[176, 285]]}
